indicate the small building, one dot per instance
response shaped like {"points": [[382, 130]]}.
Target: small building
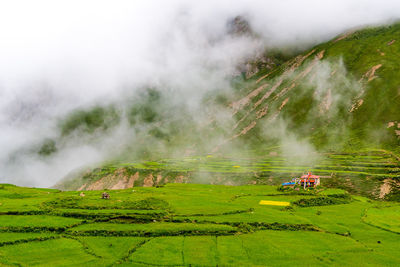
{"points": [[309, 180], [305, 181]]}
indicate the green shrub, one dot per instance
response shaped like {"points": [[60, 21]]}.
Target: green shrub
{"points": [[90, 120], [323, 201]]}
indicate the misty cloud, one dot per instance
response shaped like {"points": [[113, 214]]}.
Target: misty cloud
{"points": [[60, 56]]}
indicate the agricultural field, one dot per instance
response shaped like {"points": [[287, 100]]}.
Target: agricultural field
{"points": [[196, 224], [366, 172]]}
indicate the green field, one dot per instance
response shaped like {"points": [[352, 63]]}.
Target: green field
{"points": [[194, 224]]}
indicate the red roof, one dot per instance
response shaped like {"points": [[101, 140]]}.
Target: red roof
{"points": [[309, 176]]}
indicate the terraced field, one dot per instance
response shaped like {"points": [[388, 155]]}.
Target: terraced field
{"points": [[360, 173], [193, 224]]}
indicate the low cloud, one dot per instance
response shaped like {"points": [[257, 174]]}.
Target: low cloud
{"points": [[60, 56]]}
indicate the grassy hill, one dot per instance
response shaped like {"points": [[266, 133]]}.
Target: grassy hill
{"points": [[373, 174], [342, 95], [186, 224], [333, 110]]}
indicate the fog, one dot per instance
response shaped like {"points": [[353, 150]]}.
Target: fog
{"points": [[59, 56]]}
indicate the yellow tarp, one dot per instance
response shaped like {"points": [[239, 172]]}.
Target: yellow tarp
{"points": [[274, 203]]}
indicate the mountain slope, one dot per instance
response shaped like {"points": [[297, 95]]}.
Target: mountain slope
{"points": [[344, 93], [333, 109]]}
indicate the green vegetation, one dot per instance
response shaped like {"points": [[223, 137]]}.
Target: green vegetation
{"points": [[196, 224], [90, 120], [387, 218]]}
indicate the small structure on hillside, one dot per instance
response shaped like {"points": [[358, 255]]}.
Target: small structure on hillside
{"points": [[105, 195], [310, 180], [305, 181]]}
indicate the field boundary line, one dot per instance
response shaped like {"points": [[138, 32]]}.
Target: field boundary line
{"points": [[85, 246], [28, 240], [364, 215], [131, 251]]}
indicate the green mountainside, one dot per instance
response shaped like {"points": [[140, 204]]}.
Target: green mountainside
{"points": [[333, 110], [343, 94]]}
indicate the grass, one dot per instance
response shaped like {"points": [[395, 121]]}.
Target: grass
{"points": [[387, 218], [202, 225], [110, 249], [57, 252], [160, 251]]}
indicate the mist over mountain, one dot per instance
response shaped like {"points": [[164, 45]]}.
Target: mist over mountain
{"points": [[82, 83]]}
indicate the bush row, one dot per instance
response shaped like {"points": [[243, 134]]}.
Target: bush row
{"points": [[28, 212], [150, 203], [324, 201], [106, 217], [20, 241], [219, 214], [38, 229], [35, 229], [152, 234], [254, 226]]}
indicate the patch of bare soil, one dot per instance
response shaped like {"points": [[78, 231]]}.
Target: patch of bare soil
{"points": [[370, 74], [181, 179], [121, 183], [391, 124], [122, 180], [283, 103], [238, 105], [148, 181], [263, 77], [284, 91], [391, 42], [276, 114], [321, 54], [343, 36], [305, 72], [385, 188], [297, 61], [82, 187], [267, 94], [159, 178], [356, 105], [243, 132], [248, 128], [262, 112], [98, 185], [117, 180], [242, 119], [132, 180]]}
